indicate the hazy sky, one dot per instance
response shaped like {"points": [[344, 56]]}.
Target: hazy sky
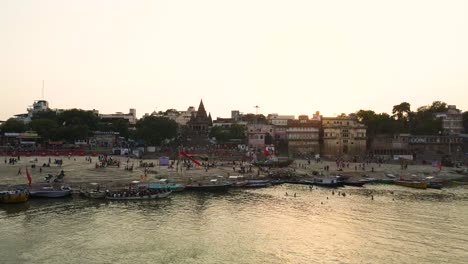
{"points": [[288, 57]]}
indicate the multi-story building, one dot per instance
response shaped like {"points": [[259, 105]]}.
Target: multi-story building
{"points": [[452, 120], [130, 117], [343, 136], [258, 134], [303, 136], [280, 123]]}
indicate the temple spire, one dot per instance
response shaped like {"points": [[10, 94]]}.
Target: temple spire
{"points": [[201, 112]]}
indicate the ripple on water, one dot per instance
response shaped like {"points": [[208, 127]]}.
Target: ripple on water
{"points": [[244, 226]]}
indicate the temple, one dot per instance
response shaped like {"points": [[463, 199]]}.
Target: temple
{"points": [[199, 125]]}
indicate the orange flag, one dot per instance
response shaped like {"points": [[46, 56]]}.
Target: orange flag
{"points": [[29, 176]]}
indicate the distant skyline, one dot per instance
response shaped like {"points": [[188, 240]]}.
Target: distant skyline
{"points": [[288, 57]]}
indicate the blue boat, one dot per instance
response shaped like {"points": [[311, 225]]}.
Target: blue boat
{"points": [[257, 183], [175, 187]]}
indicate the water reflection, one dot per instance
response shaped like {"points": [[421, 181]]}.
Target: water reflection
{"points": [[244, 226]]}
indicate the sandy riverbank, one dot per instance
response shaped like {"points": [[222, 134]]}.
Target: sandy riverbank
{"points": [[79, 171]]}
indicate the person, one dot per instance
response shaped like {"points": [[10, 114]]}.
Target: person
{"points": [[19, 171]]}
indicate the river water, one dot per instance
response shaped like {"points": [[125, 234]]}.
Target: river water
{"points": [[399, 225]]}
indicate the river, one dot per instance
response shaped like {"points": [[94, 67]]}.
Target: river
{"points": [[397, 225]]}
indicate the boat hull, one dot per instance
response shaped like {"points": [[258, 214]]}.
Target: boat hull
{"points": [[329, 185], [172, 187], [208, 188], [354, 183], [11, 198], [50, 194], [412, 184], [137, 198]]}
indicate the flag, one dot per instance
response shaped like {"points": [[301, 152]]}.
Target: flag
{"points": [[29, 176], [190, 158]]}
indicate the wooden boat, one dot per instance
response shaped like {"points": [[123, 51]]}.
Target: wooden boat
{"points": [[328, 182], [163, 184], [359, 183], [435, 185], [237, 181], [412, 184], [9, 197], [50, 192], [380, 181], [277, 182], [257, 183], [273, 163], [213, 185], [138, 197]]}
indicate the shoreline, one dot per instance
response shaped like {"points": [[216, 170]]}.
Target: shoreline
{"points": [[79, 171]]}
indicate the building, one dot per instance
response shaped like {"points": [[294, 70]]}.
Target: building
{"points": [[391, 146], [198, 127], [452, 120], [130, 117], [280, 123], [184, 116], [433, 147], [303, 136], [343, 136], [38, 106], [259, 135]]}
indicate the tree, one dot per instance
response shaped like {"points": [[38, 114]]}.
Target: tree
{"points": [[221, 134], [237, 131], [48, 114], [46, 128], [401, 111], [252, 119], [13, 125], [79, 117], [153, 130]]}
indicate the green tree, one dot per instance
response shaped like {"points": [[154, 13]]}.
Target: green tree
{"points": [[237, 131], [153, 130], [46, 128], [402, 111], [48, 114], [221, 134], [252, 119], [78, 117], [13, 125], [424, 122]]}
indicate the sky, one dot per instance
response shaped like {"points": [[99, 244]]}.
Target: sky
{"points": [[288, 57]]}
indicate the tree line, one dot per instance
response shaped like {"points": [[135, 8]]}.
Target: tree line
{"points": [[75, 124]]}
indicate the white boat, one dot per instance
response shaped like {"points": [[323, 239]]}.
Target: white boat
{"points": [[144, 197], [50, 192]]}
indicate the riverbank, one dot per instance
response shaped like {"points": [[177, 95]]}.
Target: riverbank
{"points": [[79, 170]]}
